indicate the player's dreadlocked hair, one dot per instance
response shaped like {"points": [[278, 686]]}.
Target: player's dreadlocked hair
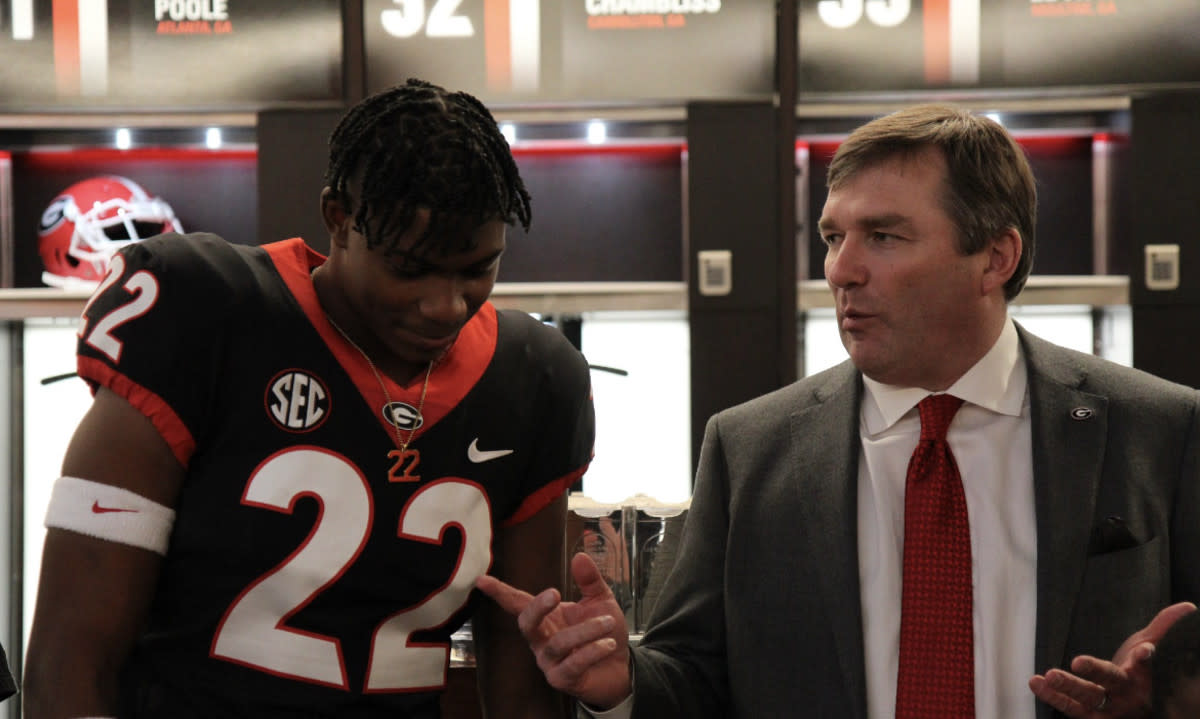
{"points": [[418, 145]]}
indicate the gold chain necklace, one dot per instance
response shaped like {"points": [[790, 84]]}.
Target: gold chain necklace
{"points": [[405, 459]]}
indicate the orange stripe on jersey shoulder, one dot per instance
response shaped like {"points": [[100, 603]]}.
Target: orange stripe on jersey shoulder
{"points": [[542, 498], [174, 432], [295, 261]]}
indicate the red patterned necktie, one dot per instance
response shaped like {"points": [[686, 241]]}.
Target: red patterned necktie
{"points": [[937, 656]]}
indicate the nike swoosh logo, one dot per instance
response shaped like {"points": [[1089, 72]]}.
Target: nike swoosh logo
{"points": [[479, 456], [97, 509]]}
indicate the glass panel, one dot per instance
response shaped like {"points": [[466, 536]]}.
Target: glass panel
{"points": [[643, 425], [1115, 334], [1066, 325], [51, 413]]}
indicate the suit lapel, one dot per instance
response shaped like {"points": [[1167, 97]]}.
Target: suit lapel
{"points": [[1069, 433], [825, 443]]}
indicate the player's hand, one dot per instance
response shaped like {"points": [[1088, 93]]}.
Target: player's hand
{"points": [[1117, 689], [582, 647]]}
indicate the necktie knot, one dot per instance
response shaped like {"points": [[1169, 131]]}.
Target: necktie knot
{"points": [[937, 410]]}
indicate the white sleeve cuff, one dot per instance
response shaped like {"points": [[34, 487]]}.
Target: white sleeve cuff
{"points": [[624, 710]]}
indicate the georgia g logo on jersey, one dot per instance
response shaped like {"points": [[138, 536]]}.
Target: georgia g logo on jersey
{"points": [[297, 401]]}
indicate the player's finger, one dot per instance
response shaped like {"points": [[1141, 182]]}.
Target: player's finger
{"points": [[588, 578], [510, 599]]}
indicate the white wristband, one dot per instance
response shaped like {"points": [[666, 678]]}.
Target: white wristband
{"points": [[111, 513]]}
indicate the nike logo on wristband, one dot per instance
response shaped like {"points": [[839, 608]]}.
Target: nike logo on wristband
{"points": [[97, 509], [479, 456]]}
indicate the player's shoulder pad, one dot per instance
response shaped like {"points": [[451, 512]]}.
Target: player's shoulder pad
{"points": [[199, 263], [543, 344]]}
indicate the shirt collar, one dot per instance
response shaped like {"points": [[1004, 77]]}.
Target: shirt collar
{"points": [[996, 382]]}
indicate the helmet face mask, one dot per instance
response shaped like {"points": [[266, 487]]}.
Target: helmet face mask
{"points": [[88, 222]]}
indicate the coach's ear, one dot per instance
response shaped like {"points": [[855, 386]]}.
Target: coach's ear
{"points": [[337, 220], [1003, 256]]}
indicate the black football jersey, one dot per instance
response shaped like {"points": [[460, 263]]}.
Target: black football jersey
{"points": [[313, 569]]}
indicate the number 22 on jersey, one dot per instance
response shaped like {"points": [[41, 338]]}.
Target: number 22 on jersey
{"points": [[254, 631], [144, 288]]}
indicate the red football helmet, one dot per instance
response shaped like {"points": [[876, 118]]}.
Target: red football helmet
{"points": [[92, 219]]}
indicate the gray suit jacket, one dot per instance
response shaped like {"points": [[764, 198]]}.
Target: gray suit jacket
{"points": [[761, 616]]}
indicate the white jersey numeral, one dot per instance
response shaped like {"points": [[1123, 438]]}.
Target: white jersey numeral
{"points": [[395, 661], [254, 629], [255, 632], [144, 289]]}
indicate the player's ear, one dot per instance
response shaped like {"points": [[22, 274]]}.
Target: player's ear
{"points": [[337, 220]]}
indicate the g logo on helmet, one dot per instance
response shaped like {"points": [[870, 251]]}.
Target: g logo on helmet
{"points": [[55, 215], [89, 221]]}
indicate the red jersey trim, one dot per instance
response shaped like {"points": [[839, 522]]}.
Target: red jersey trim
{"points": [[538, 501], [453, 376], [174, 432]]}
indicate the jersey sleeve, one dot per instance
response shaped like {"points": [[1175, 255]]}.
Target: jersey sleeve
{"points": [[152, 332], [566, 425]]}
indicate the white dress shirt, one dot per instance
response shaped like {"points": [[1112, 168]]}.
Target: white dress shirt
{"points": [[992, 444], [991, 440]]}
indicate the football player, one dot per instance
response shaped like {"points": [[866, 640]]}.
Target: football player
{"points": [[296, 466]]}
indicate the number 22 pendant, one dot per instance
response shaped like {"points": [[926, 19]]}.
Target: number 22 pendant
{"points": [[404, 465]]}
